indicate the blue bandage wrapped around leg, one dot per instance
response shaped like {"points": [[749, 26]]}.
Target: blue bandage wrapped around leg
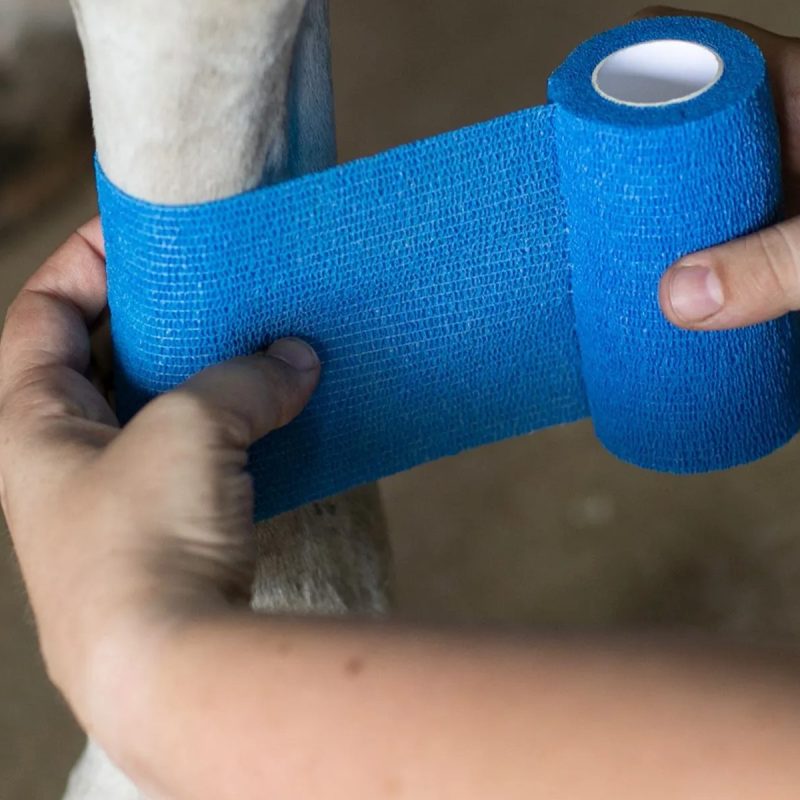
{"points": [[482, 284]]}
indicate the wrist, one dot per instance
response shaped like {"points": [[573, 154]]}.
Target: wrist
{"points": [[136, 692], [123, 683], [102, 646], [102, 620]]}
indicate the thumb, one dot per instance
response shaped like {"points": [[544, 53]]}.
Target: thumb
{"points": [[745, 281], [240, 400]]}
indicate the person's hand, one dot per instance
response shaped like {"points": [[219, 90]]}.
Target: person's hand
{"points": [[125, 532], [757, 277]]}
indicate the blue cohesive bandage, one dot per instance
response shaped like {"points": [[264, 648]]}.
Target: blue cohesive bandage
{"points": [[486, 282]]}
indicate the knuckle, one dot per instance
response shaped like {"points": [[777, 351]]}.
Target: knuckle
{"points": [[780, 255], [232, 427], [22, 326], [17, 316], [188, 411], [178, 408], [36, 395]]}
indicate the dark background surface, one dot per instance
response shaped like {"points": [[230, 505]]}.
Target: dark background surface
{"points": [[544, 530]]}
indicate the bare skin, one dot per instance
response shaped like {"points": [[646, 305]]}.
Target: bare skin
{"points": [[134, 546]]}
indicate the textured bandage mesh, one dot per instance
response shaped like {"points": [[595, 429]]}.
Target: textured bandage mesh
{"points": [[481, 284]]}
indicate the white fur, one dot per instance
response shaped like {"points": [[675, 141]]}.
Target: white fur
{"points": [[188, 96]]}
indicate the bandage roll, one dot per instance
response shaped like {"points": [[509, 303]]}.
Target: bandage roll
{"points": [[490, 281], [685, 157]]}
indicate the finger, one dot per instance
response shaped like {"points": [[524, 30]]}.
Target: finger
{"points": [[48, 324], [782, 54], [45, 350], [241, 400], [748, 280]]}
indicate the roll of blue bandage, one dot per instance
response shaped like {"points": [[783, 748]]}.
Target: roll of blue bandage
{"points": [[489, 281]]}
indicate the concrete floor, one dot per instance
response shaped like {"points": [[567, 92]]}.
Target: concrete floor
{"points": [[542, 530]]}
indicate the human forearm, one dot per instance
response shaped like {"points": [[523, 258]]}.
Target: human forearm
{"points": [[333, 710]]}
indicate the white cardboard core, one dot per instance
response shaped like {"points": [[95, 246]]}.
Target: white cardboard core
{"points": [[657, 73]]}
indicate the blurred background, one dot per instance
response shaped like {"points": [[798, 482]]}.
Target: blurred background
{"points": [[546, 530]]}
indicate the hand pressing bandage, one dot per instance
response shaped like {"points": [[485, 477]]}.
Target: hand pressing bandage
{"points": [[152, 522]]}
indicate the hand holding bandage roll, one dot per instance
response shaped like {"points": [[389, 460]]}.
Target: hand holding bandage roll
{"points": [[692, 160], [487, 282], [756, 277]]}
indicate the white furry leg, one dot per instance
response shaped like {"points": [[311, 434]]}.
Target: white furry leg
{"points": [[188, 97], [95, 777], [330, 557], [191, 101]]}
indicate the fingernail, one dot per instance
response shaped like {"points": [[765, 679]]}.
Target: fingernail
{"points": [[695, 293], [294, 352]]}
